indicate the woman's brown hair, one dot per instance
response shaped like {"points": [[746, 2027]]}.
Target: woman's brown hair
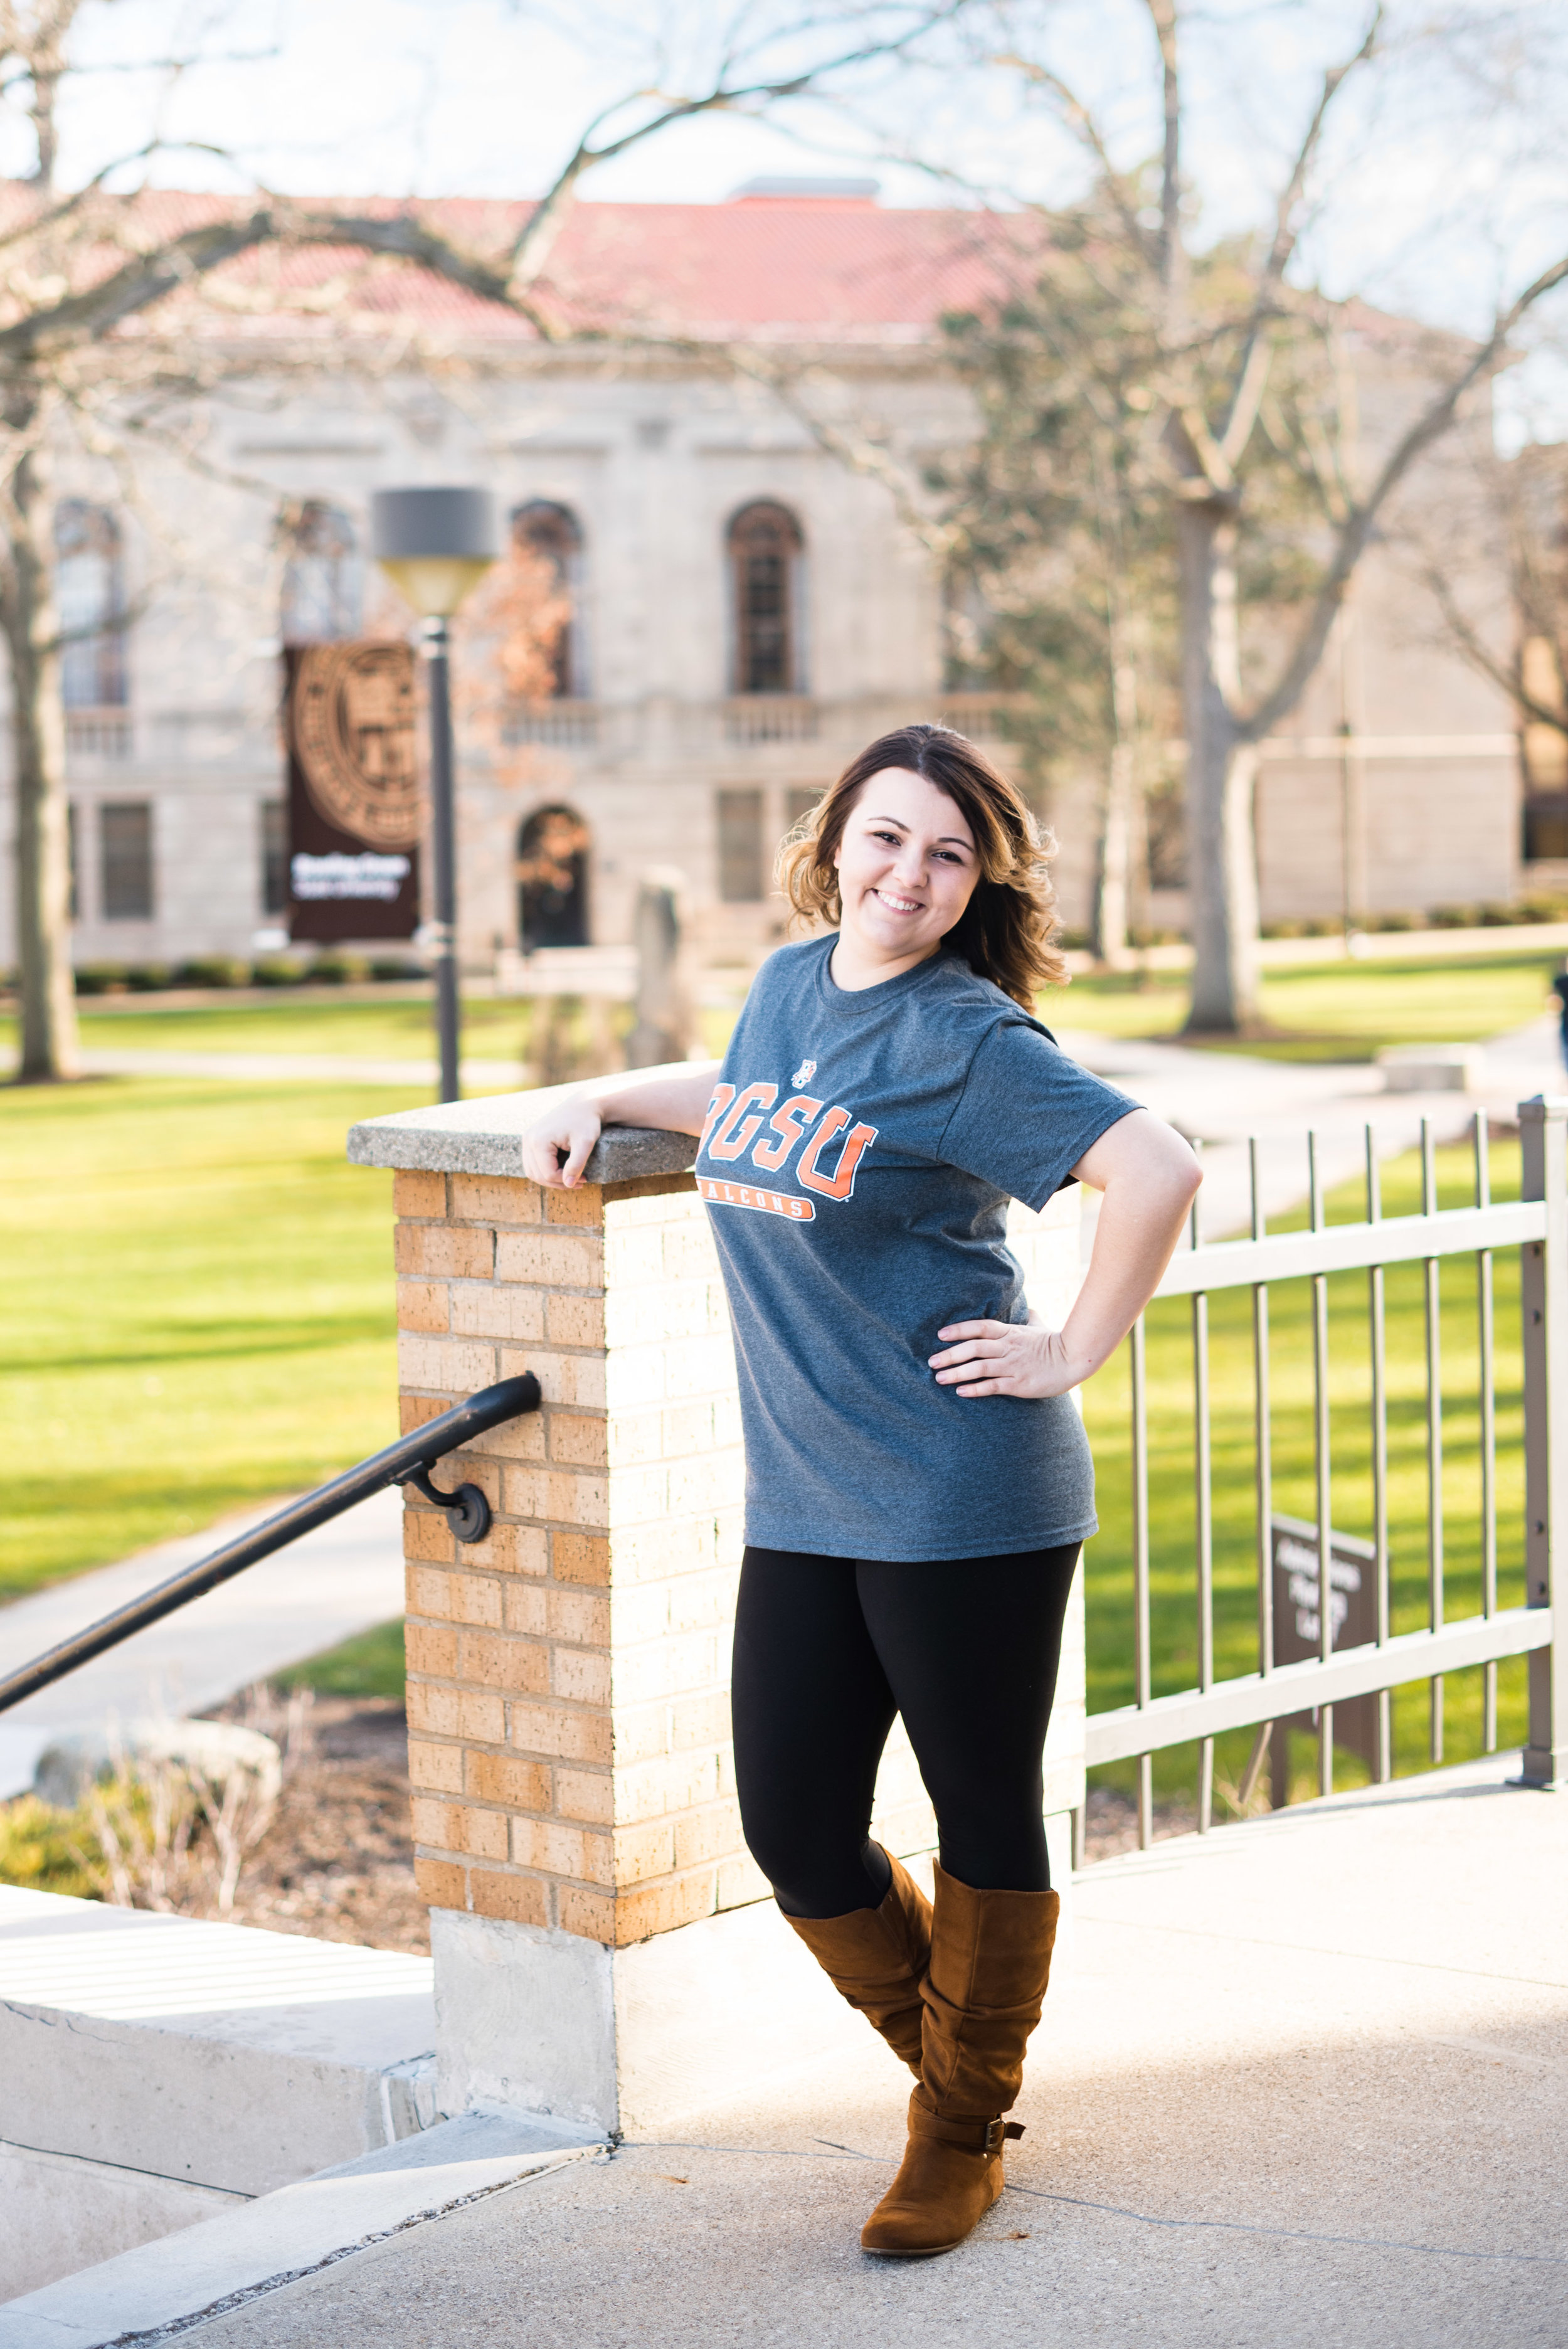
{"points": [[1007, 929]]}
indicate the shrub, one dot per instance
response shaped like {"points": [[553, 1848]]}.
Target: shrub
{"points": [[1498, 917], [336, 969], [395, 968], [1455, 917], [276, 970], [1285, 930], [1541, 909], [211, 971], [102, 978], [1070, 941], [50, 1850], [146, 977]]}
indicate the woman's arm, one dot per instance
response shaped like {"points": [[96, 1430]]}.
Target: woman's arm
{"points": [[1148, 1177], [677, 1105]]}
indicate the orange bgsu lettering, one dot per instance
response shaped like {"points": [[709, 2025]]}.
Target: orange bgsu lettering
{"points": [[840, 1184], [722, 1097], [730, 1138], [746, 1194], [788, 1123]]}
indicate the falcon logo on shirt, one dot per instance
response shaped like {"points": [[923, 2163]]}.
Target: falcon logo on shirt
{"points": [[804, 1074]]}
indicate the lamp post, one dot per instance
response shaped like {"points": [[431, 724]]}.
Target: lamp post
{"points": [[434, 545]]}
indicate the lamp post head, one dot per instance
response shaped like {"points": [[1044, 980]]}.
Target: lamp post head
{"points": [[434, 545]]}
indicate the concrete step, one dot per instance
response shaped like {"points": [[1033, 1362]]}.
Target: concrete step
{"points": [[152, 2066], [231, 2259]]}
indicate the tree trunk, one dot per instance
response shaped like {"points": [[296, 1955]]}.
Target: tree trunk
{"points": [[1221, 772], [1113, 875], [49, 1042]]}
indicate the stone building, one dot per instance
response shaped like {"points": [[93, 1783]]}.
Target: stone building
{"points": [[741, 609]]}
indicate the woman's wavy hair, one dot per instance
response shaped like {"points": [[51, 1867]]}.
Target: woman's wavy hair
{"points": [[1008, 931]]}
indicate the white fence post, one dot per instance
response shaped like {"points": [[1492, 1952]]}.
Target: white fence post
{"points": [[1543, 1300]]}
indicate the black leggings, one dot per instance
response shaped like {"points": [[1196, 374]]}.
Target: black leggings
{"points": [[829, 1649]]}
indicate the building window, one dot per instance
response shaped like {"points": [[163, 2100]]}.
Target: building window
{"points": [[323, 578], [90, 601], [766, 570], [799, 802], [740, 847], [552, 879], [551, 643], [125, 847], [275, 856]]}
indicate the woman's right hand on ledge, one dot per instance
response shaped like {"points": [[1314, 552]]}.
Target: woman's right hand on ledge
{"points": [[572, 1127]]}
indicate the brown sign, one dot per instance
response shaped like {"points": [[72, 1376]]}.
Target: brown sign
{"points": [[1352, 1623], [355, 802]]}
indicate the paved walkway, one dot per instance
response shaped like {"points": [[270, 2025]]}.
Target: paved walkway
{"points": [[326, 1586], [1301, 2080]]}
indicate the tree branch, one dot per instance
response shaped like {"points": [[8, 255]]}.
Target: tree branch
{"points": [[1429, 425]]}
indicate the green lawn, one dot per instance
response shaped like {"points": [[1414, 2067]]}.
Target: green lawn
{"points": [[397, 1027], [1333, 1011], [198, 1309], [1171, 1483]]}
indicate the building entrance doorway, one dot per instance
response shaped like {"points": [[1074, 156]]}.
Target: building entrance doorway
{"points": [[552, 879]]}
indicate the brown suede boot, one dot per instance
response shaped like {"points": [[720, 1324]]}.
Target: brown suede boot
{"points": [[990, 1963], [877, 1958]]}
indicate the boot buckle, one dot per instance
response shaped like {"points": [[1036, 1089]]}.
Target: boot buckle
{"points": [[998, 2130]]}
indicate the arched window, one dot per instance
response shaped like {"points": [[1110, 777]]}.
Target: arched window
{"points": [[89, 599], [549, 541], [766, 570], [323, 578], [552, 879]]}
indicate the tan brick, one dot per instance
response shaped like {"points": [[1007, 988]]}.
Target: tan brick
{"points": [[524, 1900], [668, 1782], [425, 1591], [579, 1558], [437, 1823], [581, 1674], [555, 1848], [688, 1427], [574, 1321], [501, 1663], [419, 1193], [439, 1768], [481, 1716], [668, 1667], [633, 1438], [441, 1882], [591, 1914], [494, 1199], [700, 1718], [635, 1255], [522, 1438], [439, 1252], [474, 1598], [559, 1734], [584, 1206], [526, 1610], [588, 1795], [504, 1550], [661, 1908], [712, 1833], [503, 1778], [699, 1601], [423, 1305], [580, 1616], [427, 1536], [431, 1651], [457, 1366], [642, 1495], [741, 1881], [550, 1259], [470, 1467], [643, 1852], [481, 1309], [575, 1379], [418, 1411], [484, 1833], [432, 1708], [577, 1439], [558, 1495]]}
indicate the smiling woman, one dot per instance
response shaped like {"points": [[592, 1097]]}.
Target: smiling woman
{"points": [[918, 1480]]}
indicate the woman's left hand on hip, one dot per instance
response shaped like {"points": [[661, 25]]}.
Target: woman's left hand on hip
{"points": [[1008, 1358]]}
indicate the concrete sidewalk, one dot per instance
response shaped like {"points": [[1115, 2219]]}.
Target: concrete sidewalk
{"points": [[1301, 2080]]}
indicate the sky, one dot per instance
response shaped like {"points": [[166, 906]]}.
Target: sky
{"points": [[1446, 187]]}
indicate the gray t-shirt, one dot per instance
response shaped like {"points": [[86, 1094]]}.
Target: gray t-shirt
{"points": [[858, 1158]]}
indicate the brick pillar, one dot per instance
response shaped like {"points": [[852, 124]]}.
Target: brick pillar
{"points": [[598, 1927]]}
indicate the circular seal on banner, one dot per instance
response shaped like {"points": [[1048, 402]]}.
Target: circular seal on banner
{"points": [[355, 740]]}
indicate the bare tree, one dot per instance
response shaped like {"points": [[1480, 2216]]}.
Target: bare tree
{"points": [[94, 291]]}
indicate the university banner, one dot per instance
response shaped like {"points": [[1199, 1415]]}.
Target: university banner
{"points": [[355, 806]]}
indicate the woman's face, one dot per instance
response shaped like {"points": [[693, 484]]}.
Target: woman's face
{"points": [[907, 867]]}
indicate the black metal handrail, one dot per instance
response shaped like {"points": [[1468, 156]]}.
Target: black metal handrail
{"points": [[406, 1462]]}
